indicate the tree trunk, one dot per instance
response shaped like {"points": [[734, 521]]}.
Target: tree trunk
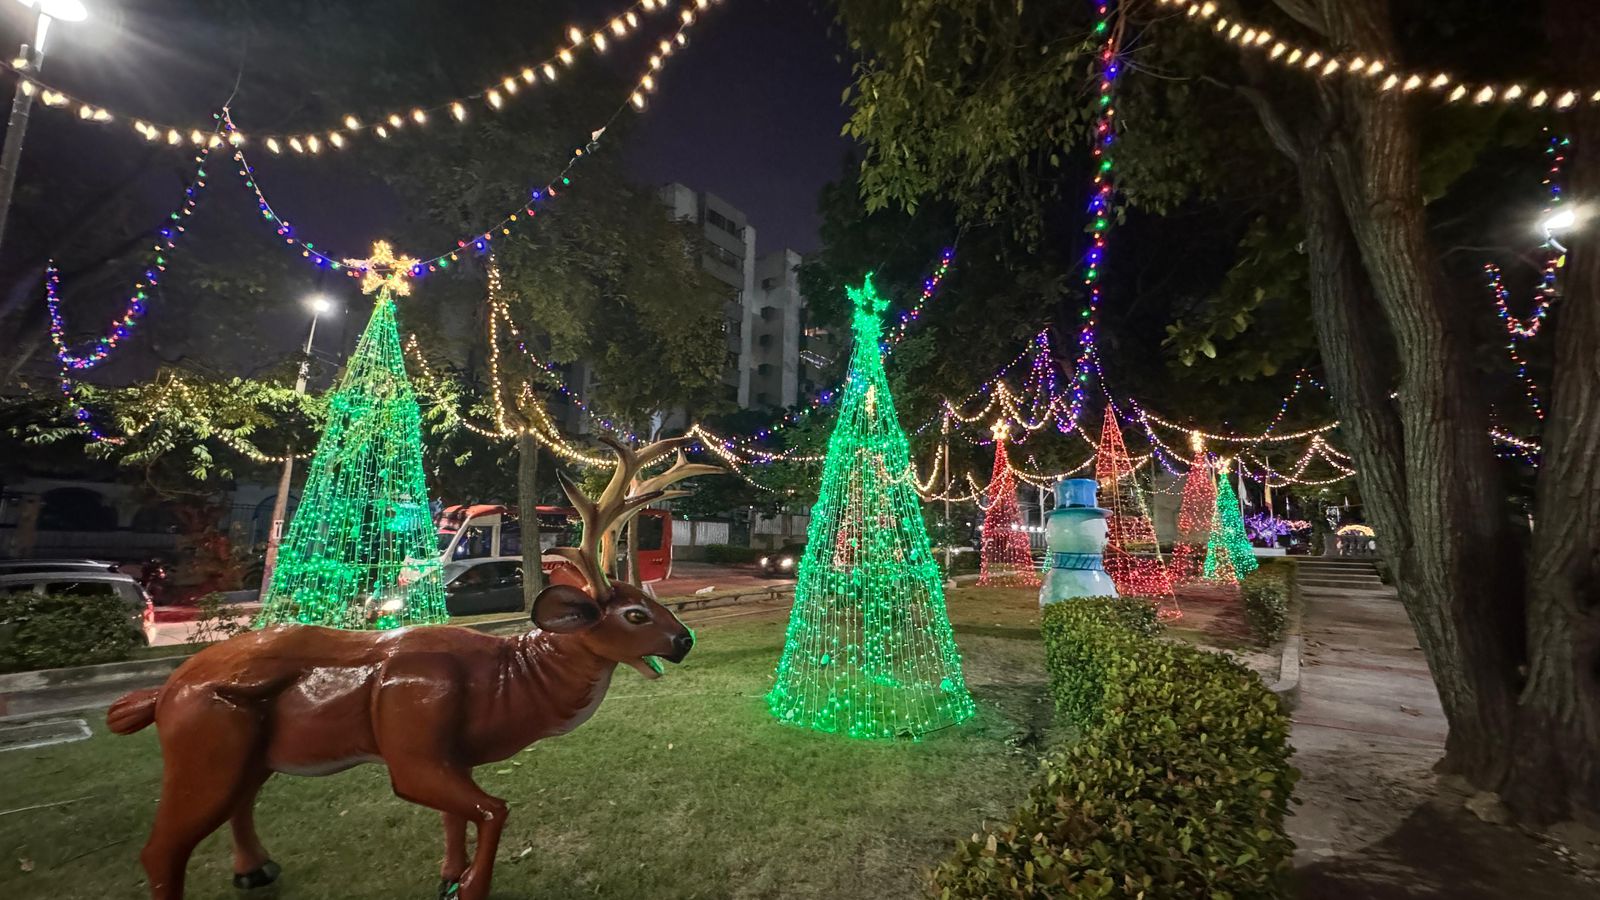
{"points": [[1458, 581], [528, 509], [1556, 774]]}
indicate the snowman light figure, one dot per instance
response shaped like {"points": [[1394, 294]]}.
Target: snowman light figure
{"points": [[1075, 534]]}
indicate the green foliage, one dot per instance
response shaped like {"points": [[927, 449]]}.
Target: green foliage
{"points": [[1177, 786], [1266, 602], [728, 554], [49, 631], [183, 426], [216, 619]]}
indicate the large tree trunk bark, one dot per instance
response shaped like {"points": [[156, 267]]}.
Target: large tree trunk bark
{"points": [[528, 510], [1459, 580], [1557, 770]]}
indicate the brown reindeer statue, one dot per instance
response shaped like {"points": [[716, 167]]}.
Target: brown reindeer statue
{"points": [[428, 702]]}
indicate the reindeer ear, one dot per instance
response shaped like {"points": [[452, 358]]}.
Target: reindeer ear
{"points": [[564, 609]]}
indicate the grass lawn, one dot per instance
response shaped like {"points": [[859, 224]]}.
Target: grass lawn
{"points": [[682, 787]]}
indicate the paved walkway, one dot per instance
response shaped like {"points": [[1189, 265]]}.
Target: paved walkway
{"points": [[1374, 820], [1368, 726]]}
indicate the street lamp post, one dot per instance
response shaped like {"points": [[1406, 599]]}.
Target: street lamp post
{"points": [[29, 61], [280, 503]]}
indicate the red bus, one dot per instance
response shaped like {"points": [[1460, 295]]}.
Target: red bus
{"points": [[486, 530]]}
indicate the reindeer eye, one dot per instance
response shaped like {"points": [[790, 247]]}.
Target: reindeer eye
{"points": [[636, 616]]}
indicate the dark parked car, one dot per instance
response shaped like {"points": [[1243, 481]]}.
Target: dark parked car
{"points": [[783, 563], [492, 584]]}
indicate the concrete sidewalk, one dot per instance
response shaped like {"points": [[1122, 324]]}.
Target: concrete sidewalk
{"points": [[1374, 820], [1368, 726]]}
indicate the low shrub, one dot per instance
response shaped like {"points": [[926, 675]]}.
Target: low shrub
{"points": [[1176, 787], [216, 619], [49, 631], [1266, 602], [728, 554]]}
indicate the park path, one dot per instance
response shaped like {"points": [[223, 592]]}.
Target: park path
{"points": [[1374, 821], [1368, 726]]}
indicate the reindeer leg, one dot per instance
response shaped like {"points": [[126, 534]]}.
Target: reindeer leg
{"points": [[451, 790], [455, 854], [208, 749], [252, 868]]}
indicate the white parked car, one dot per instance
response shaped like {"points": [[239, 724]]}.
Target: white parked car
{"points": [[90, 585]]}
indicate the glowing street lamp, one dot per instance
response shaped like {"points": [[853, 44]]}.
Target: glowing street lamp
{"points": [[29, 61], [320, 305]]}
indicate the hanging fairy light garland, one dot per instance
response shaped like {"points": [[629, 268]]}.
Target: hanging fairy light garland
{"points": [[1383, 73], [137, 303], [1546, 293], [479, 242], [1102, 193], [311, 142]]}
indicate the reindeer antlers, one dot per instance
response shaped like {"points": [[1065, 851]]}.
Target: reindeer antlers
{"points": [[621, 500]]}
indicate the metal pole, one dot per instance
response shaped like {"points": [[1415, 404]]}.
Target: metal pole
{"points": [[17, 125], [280, 503]]}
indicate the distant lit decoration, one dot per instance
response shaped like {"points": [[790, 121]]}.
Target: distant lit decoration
{"points": [[1195, 514], [1007, 558], [1384, 75], [1132, 555], [869, 652], [1228, 553], [1267, 528], [361, 550], [1357, 530]]}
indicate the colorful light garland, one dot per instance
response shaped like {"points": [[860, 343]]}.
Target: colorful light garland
{"points": [[869, 651], [1100, 216], [137, 303], [349, 128], [477, 242], [1385, 75]]}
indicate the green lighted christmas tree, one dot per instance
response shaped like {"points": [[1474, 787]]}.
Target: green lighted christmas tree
{"points": [[361, 551], [1228, 554], [869, 651]]}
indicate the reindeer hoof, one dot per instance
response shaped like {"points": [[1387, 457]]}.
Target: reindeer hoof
{"points": [[261, 876], [449, 888]]}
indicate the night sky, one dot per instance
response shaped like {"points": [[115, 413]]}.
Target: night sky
{"points": [[752, 114]]}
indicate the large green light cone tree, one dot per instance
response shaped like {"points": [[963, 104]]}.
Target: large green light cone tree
{"points": [[869, 651], [361, 551]]}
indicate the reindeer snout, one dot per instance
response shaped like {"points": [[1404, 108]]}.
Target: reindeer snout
{"points": [[681, 645]]}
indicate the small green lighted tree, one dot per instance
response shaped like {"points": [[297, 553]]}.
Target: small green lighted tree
{"points": [[869, 651], [361, 551], [1228, 554]]}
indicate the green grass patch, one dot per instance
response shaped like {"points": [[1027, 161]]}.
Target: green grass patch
{"points": [[682, 787]]}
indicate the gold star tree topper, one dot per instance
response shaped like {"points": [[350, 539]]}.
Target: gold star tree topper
{"points": [[384, 271], [1001, 430]]}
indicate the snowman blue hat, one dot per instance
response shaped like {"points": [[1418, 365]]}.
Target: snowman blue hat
{"points": [[1077, 492]]}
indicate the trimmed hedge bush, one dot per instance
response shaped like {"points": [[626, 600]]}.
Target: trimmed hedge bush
{"points": [[49, 632], [1177, 786], [1266, 602], [728, 554]]}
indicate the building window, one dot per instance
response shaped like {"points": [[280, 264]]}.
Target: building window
{"points": [[723, 222], [767, 283], [725, 256]]}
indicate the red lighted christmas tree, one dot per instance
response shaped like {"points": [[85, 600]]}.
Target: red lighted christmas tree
{"points": [[1132, 556], [1195, 515], [1007, 560]]}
